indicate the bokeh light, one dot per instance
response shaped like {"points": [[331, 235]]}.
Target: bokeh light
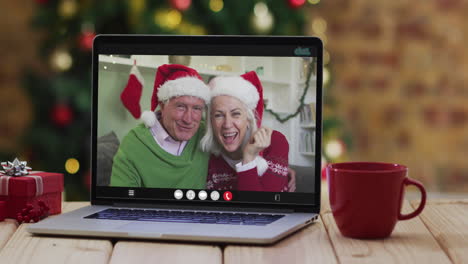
{"points": [[61, 60], [169, 19], [72, 165], [216, 5], [334, 149], [319, 25], [326, 76]]}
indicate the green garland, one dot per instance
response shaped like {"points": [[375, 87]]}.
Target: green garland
{"points": [[301, 100]]}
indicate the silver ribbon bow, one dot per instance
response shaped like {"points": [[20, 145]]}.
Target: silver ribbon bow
{"points": [[16, 168]]}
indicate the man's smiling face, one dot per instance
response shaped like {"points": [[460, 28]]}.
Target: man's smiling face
{"points": [[181, 116]]}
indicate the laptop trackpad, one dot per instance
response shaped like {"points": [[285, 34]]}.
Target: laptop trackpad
{"points": [[152, 227]]}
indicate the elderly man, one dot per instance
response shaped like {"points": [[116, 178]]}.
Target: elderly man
{"points": [[163, 152]]}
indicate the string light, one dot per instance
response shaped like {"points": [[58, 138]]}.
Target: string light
{"points": [[61, 60], [216, 5], [260, 9], [72, 165], [262, 18], [326, 57], [301, 99], [319, 26], [173, 19], [168, 19], [334, 149], [67, 8], [326, 76], [181, 5]]}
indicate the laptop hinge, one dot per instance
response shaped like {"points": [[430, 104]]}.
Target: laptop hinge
{"points": [[204, 208]]}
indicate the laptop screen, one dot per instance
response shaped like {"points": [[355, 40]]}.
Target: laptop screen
{"points": [[211, 120]]}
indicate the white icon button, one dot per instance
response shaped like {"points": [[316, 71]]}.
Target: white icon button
{"points": [[277, 197], [214, 195], [178, 194], [190, 195], [202, 195]]}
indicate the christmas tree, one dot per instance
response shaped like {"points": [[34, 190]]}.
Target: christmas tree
{"points": [[59, 139]]}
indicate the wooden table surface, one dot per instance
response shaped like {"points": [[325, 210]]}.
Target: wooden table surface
{"points": [[438, 235]]}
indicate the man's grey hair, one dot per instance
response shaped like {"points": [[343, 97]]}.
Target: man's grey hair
{"points": [[209, 143], [165, 102]]}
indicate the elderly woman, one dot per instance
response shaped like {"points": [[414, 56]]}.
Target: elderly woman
{"points": [[243, 157]]}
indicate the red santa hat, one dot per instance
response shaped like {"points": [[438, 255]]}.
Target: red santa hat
{"points": [[171, 80], [247, 88]]}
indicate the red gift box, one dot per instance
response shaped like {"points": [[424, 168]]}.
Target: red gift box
{"points": [[19, 191], [2, 210]]}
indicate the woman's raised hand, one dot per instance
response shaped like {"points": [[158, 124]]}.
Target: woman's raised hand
{"points": [[259, 141]]}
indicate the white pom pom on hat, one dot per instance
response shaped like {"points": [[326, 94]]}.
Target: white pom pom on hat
{"points": [[149, 118]]}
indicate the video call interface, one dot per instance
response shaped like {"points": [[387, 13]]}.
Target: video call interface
{"points": [[207, 149]]}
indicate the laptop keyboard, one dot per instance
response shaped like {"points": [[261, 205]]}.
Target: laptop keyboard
{"points": [[186, 216]]}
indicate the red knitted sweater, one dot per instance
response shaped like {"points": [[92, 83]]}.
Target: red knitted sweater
{"points": [[221, 176]]}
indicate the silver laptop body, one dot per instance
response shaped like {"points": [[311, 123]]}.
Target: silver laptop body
{"points": [[297, 209]]}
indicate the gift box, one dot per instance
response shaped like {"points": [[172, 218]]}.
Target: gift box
{"points": [[18, 191], [2, 210]]}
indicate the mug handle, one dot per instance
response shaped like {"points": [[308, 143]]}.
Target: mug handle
{"points": [[409, 181]]}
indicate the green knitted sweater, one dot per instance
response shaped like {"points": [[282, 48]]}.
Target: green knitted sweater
{"points": [[141, 162]]}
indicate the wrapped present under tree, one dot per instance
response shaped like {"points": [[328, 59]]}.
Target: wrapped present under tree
{"points": [[28, 188]]}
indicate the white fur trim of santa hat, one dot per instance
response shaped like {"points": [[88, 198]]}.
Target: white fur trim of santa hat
{"points": [[149, 118], [237, 87], [191, 86]]}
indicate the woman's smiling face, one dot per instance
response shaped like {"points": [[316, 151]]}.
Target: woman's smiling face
{"points": [[229, 121]]}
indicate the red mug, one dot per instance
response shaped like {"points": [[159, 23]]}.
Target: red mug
{"points": [[366, 197]]}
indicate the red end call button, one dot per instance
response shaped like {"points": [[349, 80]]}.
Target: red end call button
{"points": [[227, 196]]}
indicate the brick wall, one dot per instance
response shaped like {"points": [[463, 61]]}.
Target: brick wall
{"points": [[17, 51], [400, 71]]}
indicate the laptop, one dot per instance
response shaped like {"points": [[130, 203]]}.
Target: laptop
{"points": [[290, 71]]}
